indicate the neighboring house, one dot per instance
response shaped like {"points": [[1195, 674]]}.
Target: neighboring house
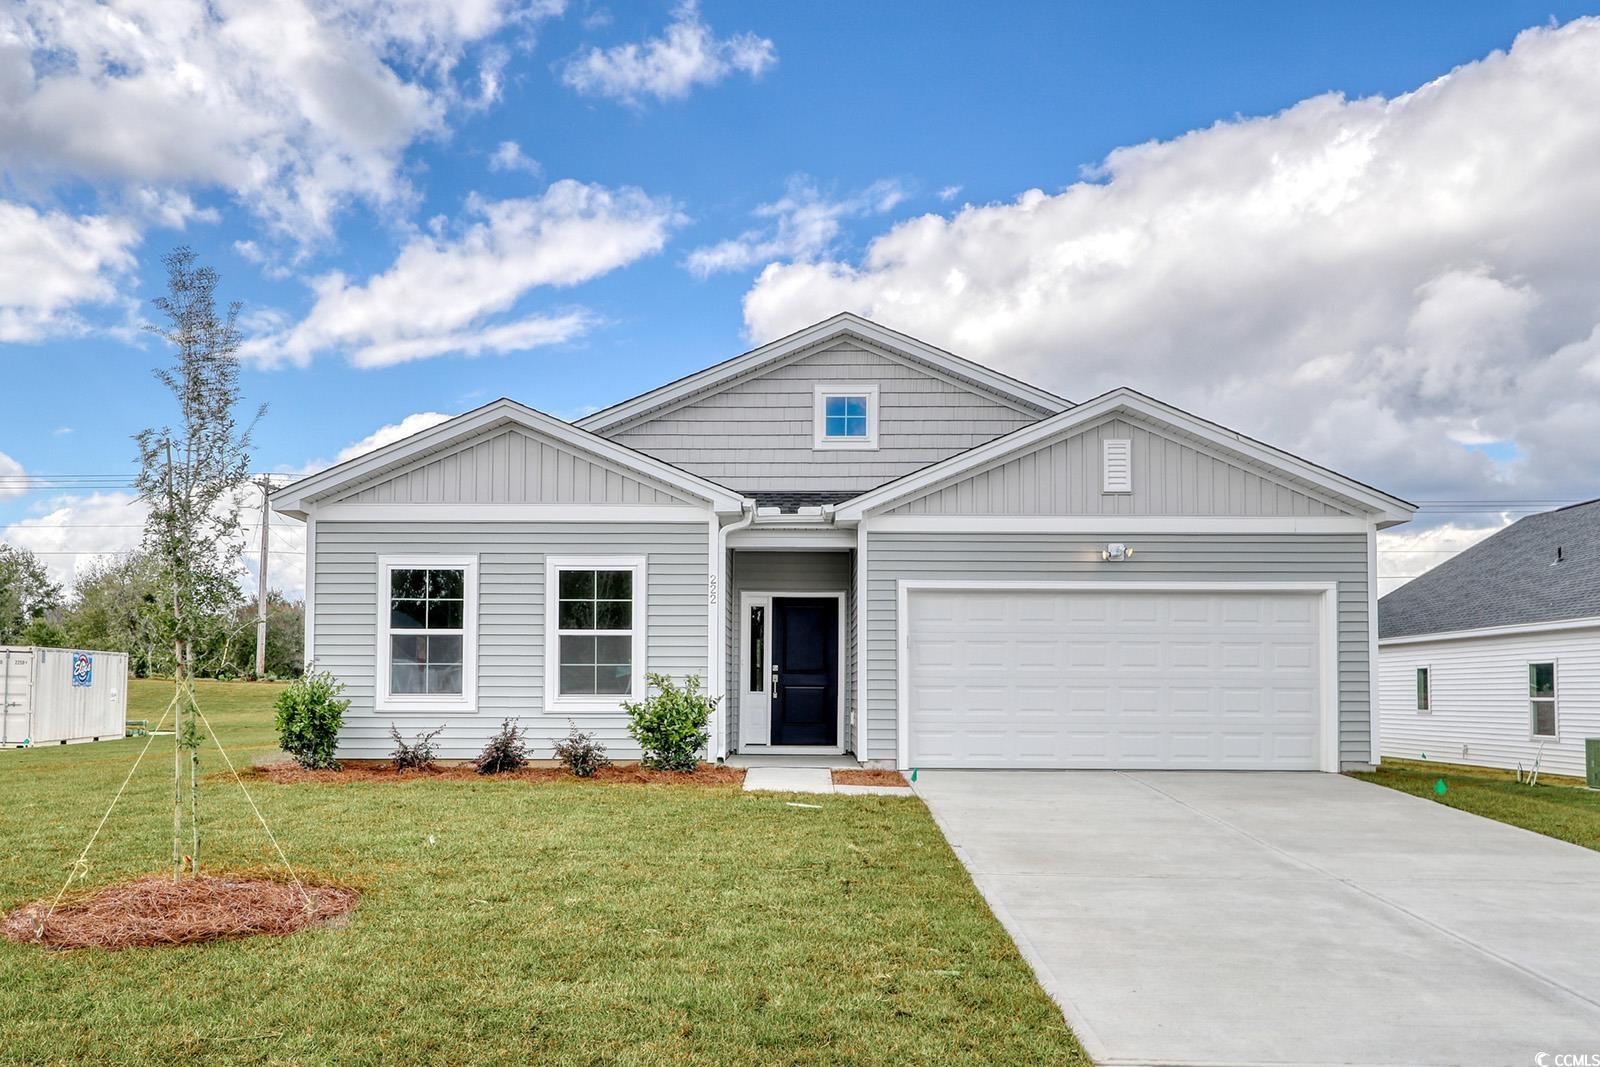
{"points": [[1493, 657], [865, 545]]}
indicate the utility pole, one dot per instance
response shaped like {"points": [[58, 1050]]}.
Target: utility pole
{"points": [[265, 482]]}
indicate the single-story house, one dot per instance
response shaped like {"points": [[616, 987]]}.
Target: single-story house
{"points": [[863, 545], [1493, 657]]}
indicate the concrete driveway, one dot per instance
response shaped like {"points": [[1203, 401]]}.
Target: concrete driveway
{"points": [[1200, 918]]}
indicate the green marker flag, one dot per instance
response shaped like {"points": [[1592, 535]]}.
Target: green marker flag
{"points": [[913, 774], [1440, 788]]}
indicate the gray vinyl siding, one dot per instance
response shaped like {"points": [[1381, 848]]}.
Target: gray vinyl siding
{"points": [[512, 467], [757, 433], [1170, 477], [790, 572], [1340, 558], [511, 563]]}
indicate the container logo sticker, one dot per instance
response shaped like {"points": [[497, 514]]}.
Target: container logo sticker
{"points": [[82, 668]]}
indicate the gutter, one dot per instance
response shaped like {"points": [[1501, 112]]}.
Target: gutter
{"points": [[717, 625]]}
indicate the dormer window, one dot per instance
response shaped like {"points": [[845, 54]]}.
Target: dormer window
{"points": [[846, 416]]}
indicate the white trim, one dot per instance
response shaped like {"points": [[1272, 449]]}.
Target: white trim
{"points": [[511, 513], [820, 394], [1588, 622], [1116, 465], [860, 659], [1374, 718], [409, 703], [554, 702], [752, 723], [761, 538], [1388, 509], [845, 324], [1107, 525], [1328, 675], [309, 653], [1555, 700], [716, 640], [767, 597], [1414, 709], [297, 498]]}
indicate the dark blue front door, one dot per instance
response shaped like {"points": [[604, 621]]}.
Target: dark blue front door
{"points": [[805, 667]]}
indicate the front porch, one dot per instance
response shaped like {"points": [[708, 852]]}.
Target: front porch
{"points": [[791, 656]]}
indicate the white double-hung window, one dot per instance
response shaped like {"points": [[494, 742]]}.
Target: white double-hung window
{"points": [[427, 626], [594, 630]]}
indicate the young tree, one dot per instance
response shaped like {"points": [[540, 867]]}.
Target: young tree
{"points": [[191, 474], [26, 593]]}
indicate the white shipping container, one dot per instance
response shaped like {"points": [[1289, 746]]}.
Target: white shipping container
{"points": [[57, 696]]}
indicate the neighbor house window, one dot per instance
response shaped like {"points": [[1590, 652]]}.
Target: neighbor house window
{"points": [[1542, 698], [595, 620], [846, 416], [427, 648], [1424, 697]]}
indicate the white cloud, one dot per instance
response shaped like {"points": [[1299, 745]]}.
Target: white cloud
{"points": [[388, 435], [295, 106], [668, 67], [950, 192], [51, 262], [69, 533], [447, 292], [509, 157], [11, 475], [1361, 281], [1404, 552], [803, 225]]}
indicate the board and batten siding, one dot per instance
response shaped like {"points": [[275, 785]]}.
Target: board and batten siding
{"points": [[1479, 712], [757, 433], [1010, 557], [512, 467], [1170, 477], [511, 614], [798, 573]]}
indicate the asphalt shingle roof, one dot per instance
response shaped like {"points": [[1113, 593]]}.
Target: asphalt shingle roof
{"points": [[1509, 579], [789, 501]]}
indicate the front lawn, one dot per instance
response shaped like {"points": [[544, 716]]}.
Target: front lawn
{"points": [[1557, 807], [557, 922]]}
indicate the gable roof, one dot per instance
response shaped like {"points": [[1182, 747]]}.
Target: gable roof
{"points": [[1509, 579], [1387, 510], [297, 498], [844, 324]]}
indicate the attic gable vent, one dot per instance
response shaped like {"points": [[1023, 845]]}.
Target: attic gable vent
{"points": [[1118, 465]]}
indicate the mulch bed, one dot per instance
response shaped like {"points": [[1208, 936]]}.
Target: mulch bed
{"points": [[707, 776], [868, 776], [155, 910]]}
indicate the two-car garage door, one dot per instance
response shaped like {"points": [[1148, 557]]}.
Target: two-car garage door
{"points": [[1112, 679]]}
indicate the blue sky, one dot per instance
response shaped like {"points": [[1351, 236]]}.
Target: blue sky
{"points": [[775, 170]]}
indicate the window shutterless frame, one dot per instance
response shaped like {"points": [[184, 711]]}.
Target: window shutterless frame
{"points": [[1424, 689], [467, 699], [554, 701], [1543, 686], [853, 428]]}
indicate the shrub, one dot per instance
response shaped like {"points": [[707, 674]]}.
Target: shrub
{"points": [[309, 715], [581, 753], [504, 752], [416, 756], [670, 724]]}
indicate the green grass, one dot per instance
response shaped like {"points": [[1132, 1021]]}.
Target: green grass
{"points": [[561, 922], [1556, 807]]}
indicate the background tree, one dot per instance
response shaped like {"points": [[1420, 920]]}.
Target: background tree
{"points": [[27, 595], [191, 474], [116, 606]]}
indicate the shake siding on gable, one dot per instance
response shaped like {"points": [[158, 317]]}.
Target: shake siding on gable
{"points": [[512, 467], [510, 621], [1340, 558], [1170, 477], [758, 432]]}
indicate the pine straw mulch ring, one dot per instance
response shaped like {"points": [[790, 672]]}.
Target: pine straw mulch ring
{"points": [[155, 910], [287, 773]]}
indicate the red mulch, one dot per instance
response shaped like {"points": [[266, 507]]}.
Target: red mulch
{"points": [[868, 776], [155, 910], [709, 774]]}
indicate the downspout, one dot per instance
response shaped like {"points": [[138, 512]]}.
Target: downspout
{"points": [[717, 625]]}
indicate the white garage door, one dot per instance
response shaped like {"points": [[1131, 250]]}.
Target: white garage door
{"points": [[1112, 679]]}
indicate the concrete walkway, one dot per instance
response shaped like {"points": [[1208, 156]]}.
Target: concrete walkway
{"points": [[790, 779], [1253, 919]]}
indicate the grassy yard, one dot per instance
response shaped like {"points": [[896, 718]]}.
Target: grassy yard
{"points": [[560, 922], [1557, 807]]}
